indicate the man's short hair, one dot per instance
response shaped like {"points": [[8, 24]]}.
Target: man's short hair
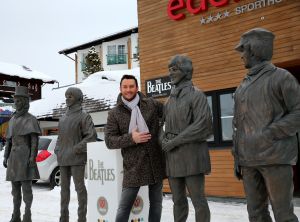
{"points": [[126, 76], [184, 63], [259, 41]]}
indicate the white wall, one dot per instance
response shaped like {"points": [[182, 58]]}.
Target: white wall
{"points": [[134, 44], [99, 118], [48, 124]]}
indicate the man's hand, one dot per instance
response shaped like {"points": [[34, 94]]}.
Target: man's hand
{"points": [[140, 137], [167, 145], [5, 162], [31, 162]]}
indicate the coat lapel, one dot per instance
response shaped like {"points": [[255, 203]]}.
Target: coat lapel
{"points": [[256, 77]]}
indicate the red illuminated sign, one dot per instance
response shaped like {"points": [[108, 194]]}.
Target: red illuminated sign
{"points": [[175, 5]]}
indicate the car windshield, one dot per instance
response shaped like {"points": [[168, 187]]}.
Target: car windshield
{"points": [[43, 143]]}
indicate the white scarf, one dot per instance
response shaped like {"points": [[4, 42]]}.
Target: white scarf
{"points": [[137, 120]]}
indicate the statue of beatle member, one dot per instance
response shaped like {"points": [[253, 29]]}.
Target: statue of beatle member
{"points": [[20, 153], [266, 119], [75, 130], [188, 124]]}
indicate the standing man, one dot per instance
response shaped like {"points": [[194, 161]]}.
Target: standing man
{"points": [[188, 125], [75, 130], [133, 126], [267, 117], [20, 153]]}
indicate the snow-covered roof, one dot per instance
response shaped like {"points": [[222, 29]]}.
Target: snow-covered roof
{"points": [[98, 41], [100, 92], [23, 72]]}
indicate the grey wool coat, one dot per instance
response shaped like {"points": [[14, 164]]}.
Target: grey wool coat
{"points": [[22, 143], [143, 163], [76, 129], [188, 123], [267, 118]]}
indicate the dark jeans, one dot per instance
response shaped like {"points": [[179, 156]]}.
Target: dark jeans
{"points": [[128, 197], [78, 177], [195, 186], [274, 183]]}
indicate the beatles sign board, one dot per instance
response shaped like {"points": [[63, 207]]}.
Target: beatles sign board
{"points": [[158, 87], [105, 175]]}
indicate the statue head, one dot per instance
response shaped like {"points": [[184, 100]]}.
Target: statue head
{"points": [[21, 99], [180, 69], [73, 96], [256, 46]]}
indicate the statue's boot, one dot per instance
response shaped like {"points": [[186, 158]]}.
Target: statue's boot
{"points": [[27, 197], [16, 217], [64, 219], [27, 216], [17, 199]]}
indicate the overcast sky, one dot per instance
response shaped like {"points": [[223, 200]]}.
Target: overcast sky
{"points": [[33, 31]]}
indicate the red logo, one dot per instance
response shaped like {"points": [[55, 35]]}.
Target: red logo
{"points": [[137, 205], [202, 6], [102, 206]]}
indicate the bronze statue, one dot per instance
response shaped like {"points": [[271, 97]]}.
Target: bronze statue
{"points": [[75, 130], [20, 153], [188, 124], [266, 120]]}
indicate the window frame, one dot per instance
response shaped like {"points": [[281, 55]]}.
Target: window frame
{"points": [[218, 141], [119, 55]]}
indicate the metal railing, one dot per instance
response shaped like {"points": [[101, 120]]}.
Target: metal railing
{"points": [[113, 59]]}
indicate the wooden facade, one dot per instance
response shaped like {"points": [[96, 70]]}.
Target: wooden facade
{"points": [[211, 47], [8, 84]]}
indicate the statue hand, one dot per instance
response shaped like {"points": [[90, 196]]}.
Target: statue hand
{"points": [[5, 162], [167, 145], [31, 162], [77, 151]]}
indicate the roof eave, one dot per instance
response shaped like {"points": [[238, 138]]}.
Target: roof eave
{"points": [[99, 41]]}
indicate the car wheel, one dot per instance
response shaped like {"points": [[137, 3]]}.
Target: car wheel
{"points": [[55, 178]]}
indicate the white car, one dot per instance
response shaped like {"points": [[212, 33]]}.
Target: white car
{"points": [[47, 161]]}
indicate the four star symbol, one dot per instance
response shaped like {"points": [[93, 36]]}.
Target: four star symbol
{"points": [[211, 18], [203, 21], [226, 14], [218, 16]]}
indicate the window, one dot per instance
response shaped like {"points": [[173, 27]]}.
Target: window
{"points": [[82, 62], [111, 50], [226, 108], [114, 56], [43, 143], [209, 101], [221, 103], [136, 55]]}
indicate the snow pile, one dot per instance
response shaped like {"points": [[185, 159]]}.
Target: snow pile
{"points": [[101, 86], [23, 72]]}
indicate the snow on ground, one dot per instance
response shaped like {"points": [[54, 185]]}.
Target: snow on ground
{"points": [[46, 205]]}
